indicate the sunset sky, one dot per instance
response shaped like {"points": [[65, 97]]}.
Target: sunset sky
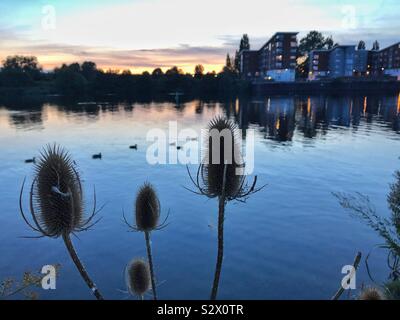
{"points": [[143, 34]]}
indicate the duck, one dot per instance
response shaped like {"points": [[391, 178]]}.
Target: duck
{"points": [[97, 156], [178, 148], [33, 160], [134, 147]]}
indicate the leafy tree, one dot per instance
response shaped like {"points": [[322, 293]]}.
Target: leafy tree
{"points": [[314, 40], [174, 71], [228, 63], [244, 43], [69, 80], [199, 71], [157, 72], [89, 70], [361, 45], [22, 64], [126, 73], [375, 46], [329, 44]]}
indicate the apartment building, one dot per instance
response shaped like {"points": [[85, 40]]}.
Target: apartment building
{"points": [[386, 61], [341, 61], [319, 64], [346, 61], [276, 60]]}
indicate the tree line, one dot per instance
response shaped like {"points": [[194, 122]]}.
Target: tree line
{"points": [[87, 78]]}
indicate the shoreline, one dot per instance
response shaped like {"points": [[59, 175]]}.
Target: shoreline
{"points": [[334, 86]]}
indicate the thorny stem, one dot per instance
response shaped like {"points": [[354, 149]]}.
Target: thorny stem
{"points": [[150, 257], [80, 267], [220, 255], [356, 263]]}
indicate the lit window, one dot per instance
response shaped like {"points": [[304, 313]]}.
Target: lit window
{"points": [[279, 58]]}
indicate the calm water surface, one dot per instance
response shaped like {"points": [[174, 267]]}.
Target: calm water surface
{"points": [[289, 241]]}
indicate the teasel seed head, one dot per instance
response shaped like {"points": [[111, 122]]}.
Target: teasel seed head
{"points": [[212, 172], [56, 199], [371, 293], [138, 277], [147, 209], [217, 161]]}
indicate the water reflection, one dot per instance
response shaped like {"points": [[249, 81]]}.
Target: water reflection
{"points": [[279, 118]]}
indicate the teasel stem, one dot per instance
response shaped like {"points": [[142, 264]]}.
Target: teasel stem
{"points": [[150, 258], [80, 267], [220, 255], [356, 263]]}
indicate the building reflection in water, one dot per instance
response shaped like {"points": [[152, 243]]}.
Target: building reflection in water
{"points": [[280, 118]]}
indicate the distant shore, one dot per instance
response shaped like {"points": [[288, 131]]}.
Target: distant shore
{"points": [[340, 85], [257, 88]]}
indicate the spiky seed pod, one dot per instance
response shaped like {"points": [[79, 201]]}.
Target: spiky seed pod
{"points": [[138, 277], [371, 294], [212, 173], [56, 193], [147, 211]]}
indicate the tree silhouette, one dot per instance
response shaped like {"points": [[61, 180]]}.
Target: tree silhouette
{"points": [[199, 71], [361, 45], [244, 43]]}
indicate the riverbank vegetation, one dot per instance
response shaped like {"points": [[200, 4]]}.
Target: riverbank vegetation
{"points": [[24, 74]]}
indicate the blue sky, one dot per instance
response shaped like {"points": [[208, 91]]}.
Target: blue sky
{"points": [[143, 34]]}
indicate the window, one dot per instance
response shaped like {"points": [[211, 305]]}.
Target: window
{"points": [[293, 57], [293, 44], [279, 58]]}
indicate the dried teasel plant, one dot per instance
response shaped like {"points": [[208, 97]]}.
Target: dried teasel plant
{"points": [[56, 203], [137, 277], [221, 175], [223, 161], [371, 293], [147, 217]]}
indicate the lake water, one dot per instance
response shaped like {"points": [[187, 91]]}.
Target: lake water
{"points": [[289, 241]]}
